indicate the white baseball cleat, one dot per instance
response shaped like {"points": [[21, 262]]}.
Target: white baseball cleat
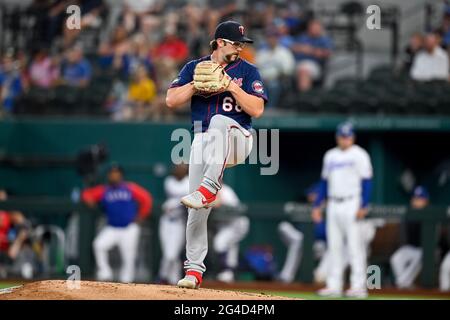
{"points": [[196, 200], [329, 293], [189, 282], [192, 280], [356, 293]]}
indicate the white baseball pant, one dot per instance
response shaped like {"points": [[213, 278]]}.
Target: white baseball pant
{"points": [[344, 231], [228, 237], [444, 274], [367, 231], [406, 263], [127, 239], [293, 239], [172, 238], [205, 168]]}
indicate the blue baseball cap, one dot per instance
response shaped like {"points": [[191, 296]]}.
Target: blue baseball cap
{"points": [[421, 192], [231, 30], [345, 130]]}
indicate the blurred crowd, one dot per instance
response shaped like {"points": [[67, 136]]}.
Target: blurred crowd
{"points": [[126, 53], [136, 49]]}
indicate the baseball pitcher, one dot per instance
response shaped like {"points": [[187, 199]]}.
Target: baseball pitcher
{"points": [[225, 92]]}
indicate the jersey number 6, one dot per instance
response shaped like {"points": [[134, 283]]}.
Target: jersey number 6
{"points": [[228, 105]]}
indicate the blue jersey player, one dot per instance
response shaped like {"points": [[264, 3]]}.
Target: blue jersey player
{"points": [[222, 139]]}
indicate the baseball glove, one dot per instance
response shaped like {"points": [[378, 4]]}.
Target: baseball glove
{"points": [[210, 77]]}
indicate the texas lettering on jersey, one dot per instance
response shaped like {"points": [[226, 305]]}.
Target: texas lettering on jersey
{"points": [[203, 108]]}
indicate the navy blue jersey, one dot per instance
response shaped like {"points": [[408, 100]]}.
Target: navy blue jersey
{"points": [[204, 107]]}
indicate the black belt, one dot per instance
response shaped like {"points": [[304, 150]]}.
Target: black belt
{"points": [[341, 199]]}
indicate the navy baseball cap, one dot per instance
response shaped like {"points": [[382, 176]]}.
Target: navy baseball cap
{"points": [[421, 192], [345, 130], [231, 30]]}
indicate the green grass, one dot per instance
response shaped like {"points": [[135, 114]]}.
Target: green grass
{"points": [[4, 285], [313, 296]]}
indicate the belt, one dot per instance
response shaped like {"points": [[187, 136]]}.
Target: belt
{"points": [[341, 199]]}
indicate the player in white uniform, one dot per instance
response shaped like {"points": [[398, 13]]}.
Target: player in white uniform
{"points": [[172, 225], [346, 184], [293, 238], [231, 231]]}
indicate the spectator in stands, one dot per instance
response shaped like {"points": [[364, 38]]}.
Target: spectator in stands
{"points": [[126, 205], [112, 53], [138, 55], [432, 62], [141, 94], [11, 82], [293, 15], [414, 46], [123, 53], [171, 47], [76, 70], [311, 51], [406, 262], [285, 39], [275, 63], [44, 70]]}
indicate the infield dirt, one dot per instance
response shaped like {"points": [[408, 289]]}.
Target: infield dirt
{"points": [[93, 290]]}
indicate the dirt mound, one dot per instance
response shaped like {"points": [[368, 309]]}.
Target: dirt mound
{"points": [[92, 290]]}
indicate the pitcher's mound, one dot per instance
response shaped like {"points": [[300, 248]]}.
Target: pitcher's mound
{"points": [[92, 290]]}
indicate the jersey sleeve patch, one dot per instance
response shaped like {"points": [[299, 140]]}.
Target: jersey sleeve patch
{"points": [[258, 87]]}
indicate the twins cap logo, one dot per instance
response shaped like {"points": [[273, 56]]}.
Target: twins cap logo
{"points": [[258, 87], [241, 29]]}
